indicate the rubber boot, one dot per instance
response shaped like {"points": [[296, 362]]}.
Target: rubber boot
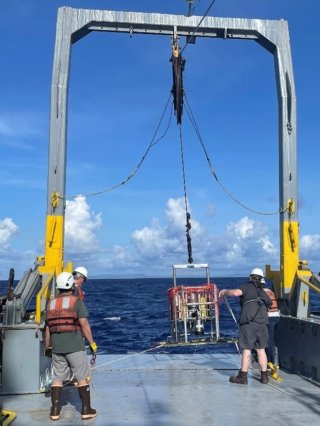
{"points": [[87, 412], [241, 378], [55, 400], [264, 377]]}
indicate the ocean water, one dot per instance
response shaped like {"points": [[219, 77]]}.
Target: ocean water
{"points": [[131, 315]]}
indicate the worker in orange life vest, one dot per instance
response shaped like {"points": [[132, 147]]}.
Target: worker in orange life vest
{"points": [[66, 327], [274, 318], [80, 275]]}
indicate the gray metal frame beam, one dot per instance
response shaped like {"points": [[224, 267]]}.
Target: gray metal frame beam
{"points": [[74, 24]]}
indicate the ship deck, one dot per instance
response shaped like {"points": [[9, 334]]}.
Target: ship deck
{"points": [[176, 390]]}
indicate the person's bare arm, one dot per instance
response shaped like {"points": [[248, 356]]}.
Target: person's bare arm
{"points": [[236, 292], [47, 339], [86, 329]]}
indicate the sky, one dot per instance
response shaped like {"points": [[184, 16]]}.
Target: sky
{"points": [[119, 87]]}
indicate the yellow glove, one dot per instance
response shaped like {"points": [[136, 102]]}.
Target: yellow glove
{"points": [[93, 347]]}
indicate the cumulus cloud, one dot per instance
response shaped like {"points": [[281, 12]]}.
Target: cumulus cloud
{"points": [[310, 249], [163, 241], [11, 258], [310, 242], [151, 240], [244, 244], [267, 245], [154, 248], [81, 224], [242, 229], [7, 229]]}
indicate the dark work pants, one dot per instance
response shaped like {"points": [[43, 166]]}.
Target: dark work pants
{"points": [[273, 321]]}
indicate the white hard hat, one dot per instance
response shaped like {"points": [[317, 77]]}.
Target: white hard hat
{"points": [[81, 270], [65, 281], [257, 271]]}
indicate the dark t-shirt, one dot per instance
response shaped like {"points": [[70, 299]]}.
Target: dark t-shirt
{"points": [[254, 302], [73, 341]]}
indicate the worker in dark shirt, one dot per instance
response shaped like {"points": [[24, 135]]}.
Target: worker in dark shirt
{"points": [[253, 332]]}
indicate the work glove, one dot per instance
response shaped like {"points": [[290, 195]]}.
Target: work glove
{"points": [[48, 351], [93, 348]]}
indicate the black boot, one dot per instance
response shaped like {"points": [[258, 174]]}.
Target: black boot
{"points": [[55, 400], [87, 412], [264, 377], [241, 378]]}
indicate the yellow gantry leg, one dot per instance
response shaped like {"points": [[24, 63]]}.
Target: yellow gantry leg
{"points": [[53, 259], [290, 253]]}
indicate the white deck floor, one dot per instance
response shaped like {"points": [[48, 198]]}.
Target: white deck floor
{"points": [[176, 390]]}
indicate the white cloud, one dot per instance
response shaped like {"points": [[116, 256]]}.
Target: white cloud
{"points": [[267, 245], [151, 241], [243, 245], [80, 226], [20, 260], [7, 229], [242, 229], [164, 241], [310, 242], [176, 215], [310, 250]]}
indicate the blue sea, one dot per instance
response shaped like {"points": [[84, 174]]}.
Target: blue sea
{"points": [[131, 315]]}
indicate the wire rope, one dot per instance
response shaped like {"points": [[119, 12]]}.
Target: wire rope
{"points": [[183, 171], [126, 357], [152, 143], [197, 27], [197, 131], [188, 225]]}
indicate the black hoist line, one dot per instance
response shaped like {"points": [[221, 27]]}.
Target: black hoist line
{"points": [[188, 217], [178, 63]]}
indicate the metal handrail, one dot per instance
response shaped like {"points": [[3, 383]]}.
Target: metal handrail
{"points": [[308, 283]]}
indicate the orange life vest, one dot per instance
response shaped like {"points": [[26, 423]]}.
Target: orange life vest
{"points": [[61, 314], [274, 304]]}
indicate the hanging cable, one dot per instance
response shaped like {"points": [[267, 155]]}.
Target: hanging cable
{"points": [[152, 143], [188, 217], [196, 128], [178, 63]]}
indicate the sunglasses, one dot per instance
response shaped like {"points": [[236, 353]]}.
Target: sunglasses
{"points": [[75, 275]]}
